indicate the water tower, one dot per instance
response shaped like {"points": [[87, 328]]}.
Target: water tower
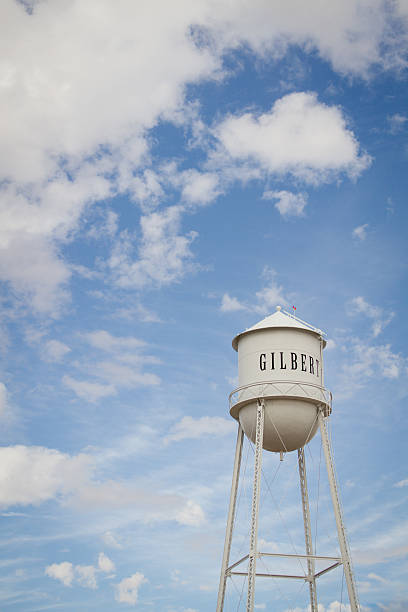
{"points": [[279, 405]]}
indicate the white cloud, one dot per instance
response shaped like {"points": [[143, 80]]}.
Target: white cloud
{"points": [[124, 369], [111, 540], [360, 232], [105, 564], [108, 226], [231, 304], [365, 361], [359, 305], [127, 591], [289, 204], [146, 505], [381, 546], [348, 35], [397, 122], [402, 483], [190, 514], [271, 295], [125, 375], [334, 606], [190, 428], [199, 187], [62, 150], [376, 577], [299, 136], [89, 390], [61, 571], [103, 340], [164, 252], [86, 576], [34, 474], [54, 350]]}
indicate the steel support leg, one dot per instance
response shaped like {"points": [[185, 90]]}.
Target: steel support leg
{"points": [[345, 554], [230, 520], [253, 544], [308, 529]]}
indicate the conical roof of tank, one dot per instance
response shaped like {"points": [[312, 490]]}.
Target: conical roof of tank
{"points": [[278, 319]]}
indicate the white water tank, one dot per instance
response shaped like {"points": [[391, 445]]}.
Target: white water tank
{"points": [[280, 359]]}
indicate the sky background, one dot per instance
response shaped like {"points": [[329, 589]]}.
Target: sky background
{"points": [[170, 173]]}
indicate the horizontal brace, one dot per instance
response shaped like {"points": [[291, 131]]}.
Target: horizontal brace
{"points": [[269, 575], [319, 558], [328, 569], [237, 563]]}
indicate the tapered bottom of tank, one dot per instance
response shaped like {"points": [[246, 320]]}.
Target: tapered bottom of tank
{"points": [[289, 424]]}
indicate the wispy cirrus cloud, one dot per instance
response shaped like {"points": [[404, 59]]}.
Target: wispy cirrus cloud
{"points": [[380, 319], [269, 296], [124, 367], [32, 475]]}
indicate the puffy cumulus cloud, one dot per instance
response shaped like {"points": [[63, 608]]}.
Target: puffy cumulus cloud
{"points": [[300, 136], [54, 350], [270, 296], [37, 273], [127, 591], [353, 36], [191, 428], [360, 232], [288, 204], [231, 304], [125, 51], [163, 252], [61, 571], [33, 221], [62, 150], [105, 564], [86, 576], [32, 475], [190, 514], [199, 187]]}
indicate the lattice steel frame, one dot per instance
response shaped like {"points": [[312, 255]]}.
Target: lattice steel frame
{"points": [[324, 410]]}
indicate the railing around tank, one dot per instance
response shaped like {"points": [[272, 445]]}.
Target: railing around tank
{"points": [[283, 388]]}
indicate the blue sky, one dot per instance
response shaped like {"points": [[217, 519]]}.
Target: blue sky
{"points": [[170, 173]]}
